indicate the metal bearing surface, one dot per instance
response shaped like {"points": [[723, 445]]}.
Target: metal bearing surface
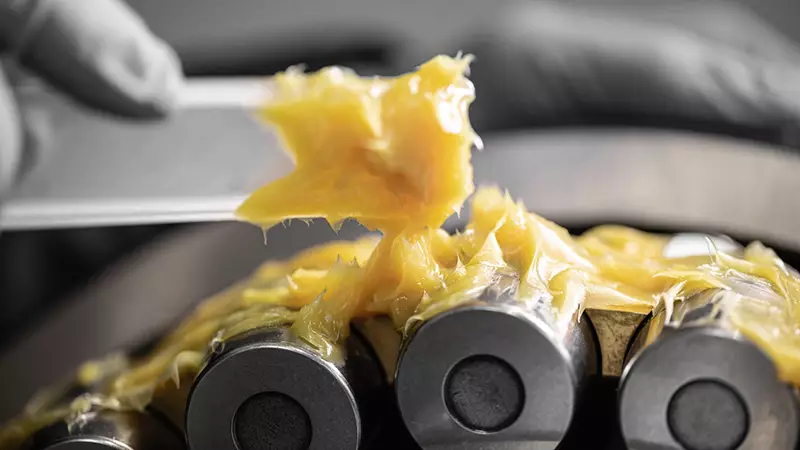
{"points": [[702, 388], [109, 430], [276, 388], [88, 444], [475, 358]]}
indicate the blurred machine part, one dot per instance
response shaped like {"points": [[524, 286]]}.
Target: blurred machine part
{"points": [[692, 384], [719, 66], [266, 389], [110, 430], [382, 35], [86, 423], [494, 375]]}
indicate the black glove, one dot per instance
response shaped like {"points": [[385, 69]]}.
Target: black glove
{"points": [[97, 51], [702, 66]]}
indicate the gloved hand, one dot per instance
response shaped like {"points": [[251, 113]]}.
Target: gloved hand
{"points": [[97, 51], [704, 66]]}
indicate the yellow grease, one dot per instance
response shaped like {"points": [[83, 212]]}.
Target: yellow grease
{"points": [[394, 153]]}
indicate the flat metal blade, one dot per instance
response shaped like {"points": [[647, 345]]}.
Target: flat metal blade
{"points": [[197, 165]]}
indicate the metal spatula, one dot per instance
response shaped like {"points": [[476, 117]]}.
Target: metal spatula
{"points": [[198, 165]]}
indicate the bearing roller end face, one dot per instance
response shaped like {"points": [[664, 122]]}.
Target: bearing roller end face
{"points": [[267, 392], [702, 388], [485, 377]]}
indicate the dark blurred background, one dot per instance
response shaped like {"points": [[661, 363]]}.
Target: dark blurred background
{"points": [[380, 36], [260, 37]]}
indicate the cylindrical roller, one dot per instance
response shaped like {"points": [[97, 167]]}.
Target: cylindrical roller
{"points": [[493, 375], [109, 430], [105, 429], [693, 385], [267, 390]]}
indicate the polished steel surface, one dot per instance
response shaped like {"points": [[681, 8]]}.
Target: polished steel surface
{"points": [[699, 385], [111, 431], [549, 365], [333, 402]]}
